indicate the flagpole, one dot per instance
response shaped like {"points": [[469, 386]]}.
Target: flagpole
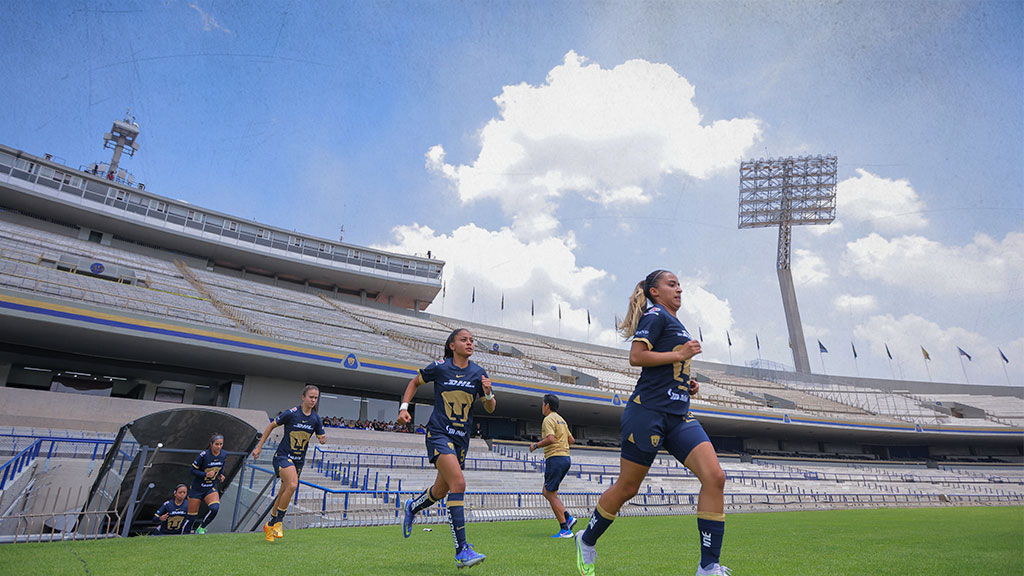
{"points": [[964, 367], [822, 356], [927, 370], [1007, 374]]}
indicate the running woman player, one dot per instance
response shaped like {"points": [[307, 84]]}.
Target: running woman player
{"points": [[171, 514], [658, 415], [206, 476], [457, 383], [299, 423], [555, 443]]}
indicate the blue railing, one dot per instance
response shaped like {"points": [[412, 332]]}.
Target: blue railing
{"points": [[14, 466]]}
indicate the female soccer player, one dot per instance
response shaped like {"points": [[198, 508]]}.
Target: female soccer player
{"points": [[457, 383], [658, 414], [171, 514], [206, 475], [299, 423]]}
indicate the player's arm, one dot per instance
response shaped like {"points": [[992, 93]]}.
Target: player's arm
{"points": [[489, 401], [641, 355], [571, 439], [410, 390], [266, 434], [547, 441], [321, 434], [198, 468]]}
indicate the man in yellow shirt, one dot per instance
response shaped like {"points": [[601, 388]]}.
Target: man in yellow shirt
{"points": [[556, 440]]}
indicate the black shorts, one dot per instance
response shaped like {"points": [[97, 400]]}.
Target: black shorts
{"points": [[286, 462], [555, 469], [644, 432], [438, 444], [200, 492]]}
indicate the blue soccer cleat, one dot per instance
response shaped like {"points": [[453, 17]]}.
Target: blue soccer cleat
{"points": [[468, 557], [563, 534], [409, 517]]}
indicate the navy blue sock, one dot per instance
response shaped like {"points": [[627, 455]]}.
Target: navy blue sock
{"points": [[457, 518], [424, 500], [278, 516], [191, 521], [211, 514], [599, 522], [712, 528]]}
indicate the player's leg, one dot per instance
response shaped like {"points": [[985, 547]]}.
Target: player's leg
{"points": [[212, 507], [703, 462], [192, 516], [289, 475], [452, 481]]}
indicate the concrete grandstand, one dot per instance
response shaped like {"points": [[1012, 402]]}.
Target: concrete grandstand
{"points": [[116, 301]]}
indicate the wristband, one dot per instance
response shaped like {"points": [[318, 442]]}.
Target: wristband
{"points": [[403, 406], [489, 397]]}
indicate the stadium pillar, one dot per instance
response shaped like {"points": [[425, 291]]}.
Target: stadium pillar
{"points": [[5, 371], [362, 296], [235, 395]]}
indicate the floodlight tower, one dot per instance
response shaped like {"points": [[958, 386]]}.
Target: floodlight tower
{"points": [[784, 192], [121, 137]]}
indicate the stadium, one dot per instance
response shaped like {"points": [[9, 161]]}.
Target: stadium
{"points": [[119, 303], [316, 198]]}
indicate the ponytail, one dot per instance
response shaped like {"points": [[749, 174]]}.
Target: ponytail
{"points": [[638, 304], [636, 309]]}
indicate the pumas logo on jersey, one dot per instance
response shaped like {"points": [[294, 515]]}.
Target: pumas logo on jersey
{"points": [[655, 438]]}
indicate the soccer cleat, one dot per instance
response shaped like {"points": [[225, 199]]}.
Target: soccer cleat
{"points": [[570, 520], [586, 556], [713, 570], [409, 517], [279, 530], [200, 530], [269, 531], [563, 534], [468, 557]]}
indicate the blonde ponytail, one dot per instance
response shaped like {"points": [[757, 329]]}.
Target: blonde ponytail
{"points": [[637, 307]]}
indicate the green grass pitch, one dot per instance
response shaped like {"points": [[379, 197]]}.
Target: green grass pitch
{"points": [[930, 541]]}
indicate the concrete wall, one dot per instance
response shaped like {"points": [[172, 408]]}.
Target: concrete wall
{"points": [[41, 409], [270, 395]]}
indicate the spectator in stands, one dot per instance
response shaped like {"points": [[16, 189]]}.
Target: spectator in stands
{"points": [[457, 383], [658, 415], [557, 439], [171, 514], [420, 429], [299, 423], [206, 476]]}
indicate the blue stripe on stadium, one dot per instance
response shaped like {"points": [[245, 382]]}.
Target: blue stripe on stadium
{"points": [[165, 332]]}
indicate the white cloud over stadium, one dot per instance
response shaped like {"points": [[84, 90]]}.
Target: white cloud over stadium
{"points": [[606, 134]]}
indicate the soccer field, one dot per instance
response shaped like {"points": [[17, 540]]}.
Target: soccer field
{"points": [[931, 541]]}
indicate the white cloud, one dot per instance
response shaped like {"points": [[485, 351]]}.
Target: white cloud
{"points": [[855, 304], [705, 313], [889, 205], [906, 335], [209, 22], [608, 134], [985, 266], [498, 262], [809, 269]]}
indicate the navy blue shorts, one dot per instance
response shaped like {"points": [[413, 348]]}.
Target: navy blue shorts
{"points": [[286, 462], [644, 432], [438, 444], [199, 492], [555, 469]]}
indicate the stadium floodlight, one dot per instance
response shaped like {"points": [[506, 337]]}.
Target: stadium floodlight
{"points": [[783, 192]]}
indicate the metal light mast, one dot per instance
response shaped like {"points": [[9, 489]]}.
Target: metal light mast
{"points": [[121, 138], [783, 192]]}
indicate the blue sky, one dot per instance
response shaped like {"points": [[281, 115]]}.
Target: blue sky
{"points": [[559, 151]]}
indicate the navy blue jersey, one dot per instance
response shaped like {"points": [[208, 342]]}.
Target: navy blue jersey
{"points": [[455, 391], [297, 429], [664, 388], [175, 516], [205, 463]]}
